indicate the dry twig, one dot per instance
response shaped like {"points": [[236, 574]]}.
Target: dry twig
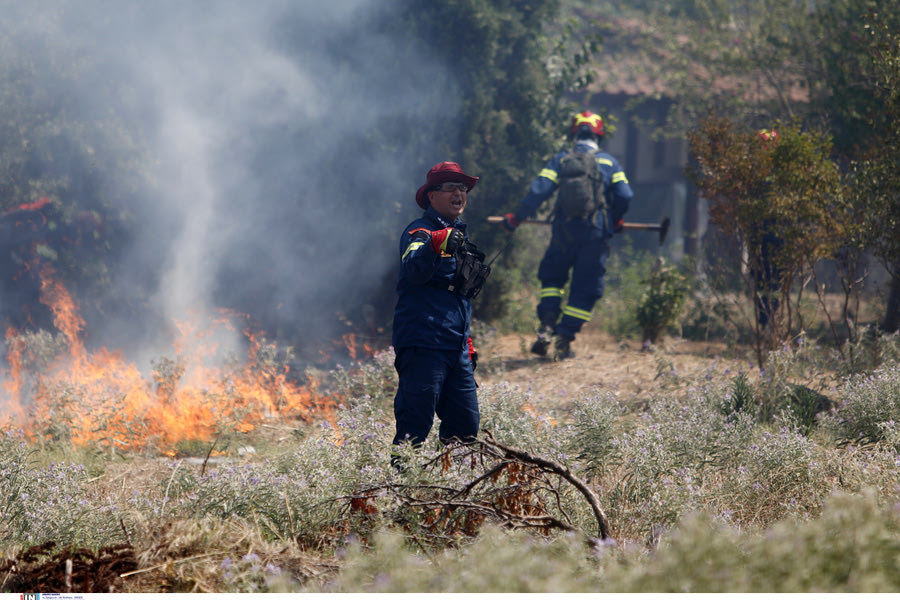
{"points": [[515, 490]]}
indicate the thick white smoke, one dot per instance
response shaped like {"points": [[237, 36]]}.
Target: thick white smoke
{"points": [[244, 107]]}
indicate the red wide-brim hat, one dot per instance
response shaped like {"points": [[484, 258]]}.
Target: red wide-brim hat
{"points": [[441, 173]]}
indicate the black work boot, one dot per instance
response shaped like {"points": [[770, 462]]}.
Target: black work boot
{"points": [[561, 348], [544, 339]]}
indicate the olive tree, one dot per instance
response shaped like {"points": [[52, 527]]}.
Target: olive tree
{"points": [[877, 173], [775, 200]]}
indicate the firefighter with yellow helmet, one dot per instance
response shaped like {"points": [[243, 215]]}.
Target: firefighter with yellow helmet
{"points": [[593, 196]]}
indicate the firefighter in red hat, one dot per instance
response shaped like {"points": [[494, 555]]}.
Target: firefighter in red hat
{"points": [[441, 271], [592, 197]]}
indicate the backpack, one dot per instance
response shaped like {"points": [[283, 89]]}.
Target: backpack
{"points": [[580, 192]]}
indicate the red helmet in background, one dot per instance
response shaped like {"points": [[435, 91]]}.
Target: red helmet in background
{"points": [[590, 120], [769, 136]]}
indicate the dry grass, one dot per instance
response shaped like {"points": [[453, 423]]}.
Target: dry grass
{"points": [[604, 364], [175, 539]]}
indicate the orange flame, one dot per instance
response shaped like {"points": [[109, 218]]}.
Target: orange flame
{"points": [[100, 399], [65, 313], [355, 349]]}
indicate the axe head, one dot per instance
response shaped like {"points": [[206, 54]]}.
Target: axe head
{"points": [[663, 230]]}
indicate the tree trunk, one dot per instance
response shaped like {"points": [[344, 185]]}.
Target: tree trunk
{"points": [[692, 223], [891, 321]]}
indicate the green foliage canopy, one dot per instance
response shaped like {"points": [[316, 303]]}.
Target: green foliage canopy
{"points": [[791, 186], [513, 61], [879, 170], [789, 189]]}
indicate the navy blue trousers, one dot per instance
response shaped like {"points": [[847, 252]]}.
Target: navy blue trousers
{"points": [[435, 382], [581, 248], [768, 277]]}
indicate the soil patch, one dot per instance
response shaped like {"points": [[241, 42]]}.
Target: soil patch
{"points": [[603, 364]]}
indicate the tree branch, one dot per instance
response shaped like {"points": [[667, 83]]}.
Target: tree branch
{"points": [[559, 469]]}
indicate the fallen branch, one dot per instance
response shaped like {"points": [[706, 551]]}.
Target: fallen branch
{"points": [[559, 469], [509, 486]]}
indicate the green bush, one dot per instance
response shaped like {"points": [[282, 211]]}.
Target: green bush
{"points": [[788, 383], [511, 293], [595, 425], [627, 272], [740, 398], [852, 548], [660, 306], [52, 503], [372, 381], [774, 475], [868, 409], [498, 561], [506, 414]]}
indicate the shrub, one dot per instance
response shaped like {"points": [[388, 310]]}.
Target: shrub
{"points": [[627, 272], [857, 468], [851, 548], [53, 503], [686, 455], [661, 304], [592, 437], [696, 433], [780, 473], [869, 409], [506, 414], [803, 407], [336, 463], [671, 462], [498, 561], [870, 349], [788, 382], [372, 381], [295, 495], [740, 397]]}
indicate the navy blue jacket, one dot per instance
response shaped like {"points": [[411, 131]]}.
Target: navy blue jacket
{"points": [[616, 189], [427, 314]]}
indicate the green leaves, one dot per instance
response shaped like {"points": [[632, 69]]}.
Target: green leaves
{"points": [[783, 204], [661, 305]]}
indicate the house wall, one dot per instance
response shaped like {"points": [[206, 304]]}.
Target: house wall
{"points": [[655, 170]]}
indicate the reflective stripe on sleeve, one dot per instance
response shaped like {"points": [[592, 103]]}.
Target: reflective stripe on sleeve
{"points": [[411, 248], [549, 174], [619, 177]]}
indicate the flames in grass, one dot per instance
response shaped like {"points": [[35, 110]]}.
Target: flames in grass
{"points": [[99, 399]]}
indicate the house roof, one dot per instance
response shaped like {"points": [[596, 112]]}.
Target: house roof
{"points": [[634, 57]]}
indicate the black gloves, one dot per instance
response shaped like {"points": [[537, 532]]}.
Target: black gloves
{"points": [[446, 241]]}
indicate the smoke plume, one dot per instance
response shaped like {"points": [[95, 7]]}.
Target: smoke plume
{"points": [[258, 181]]}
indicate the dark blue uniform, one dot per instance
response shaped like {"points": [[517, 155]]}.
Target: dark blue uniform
{"points": [[768, 274], [431, 340], [581, 246]]}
